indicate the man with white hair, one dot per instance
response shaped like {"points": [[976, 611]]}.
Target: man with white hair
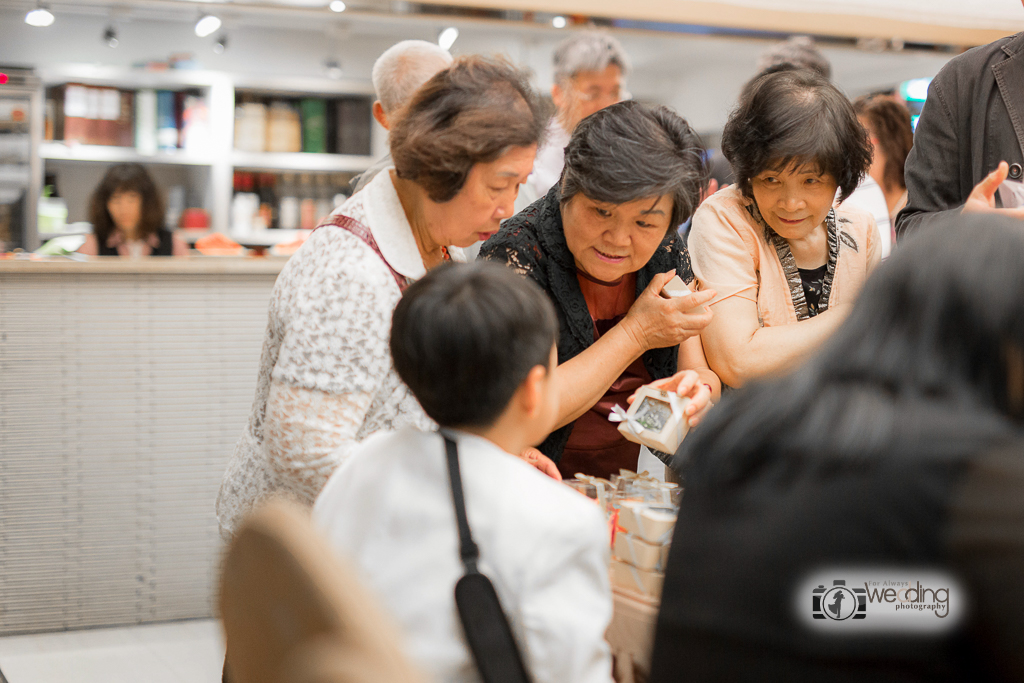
{"points": [[590, 69], [397, 75]]}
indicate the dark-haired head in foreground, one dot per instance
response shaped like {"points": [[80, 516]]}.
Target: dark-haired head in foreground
{"points": [[897, 447], [465, 337]]}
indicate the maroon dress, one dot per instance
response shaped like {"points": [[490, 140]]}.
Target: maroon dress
{"points": [[595, 446]]}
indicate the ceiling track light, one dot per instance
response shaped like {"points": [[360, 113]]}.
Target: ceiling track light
{"points": [[447, 37], [110, 36], [559, 22], [207, 25], [41, 16], [221, 44]]}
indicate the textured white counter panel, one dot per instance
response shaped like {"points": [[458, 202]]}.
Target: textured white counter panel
{"points": [[123, 388]]}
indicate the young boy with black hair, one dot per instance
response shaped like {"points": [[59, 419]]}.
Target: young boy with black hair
{"points": [[476, 345]]}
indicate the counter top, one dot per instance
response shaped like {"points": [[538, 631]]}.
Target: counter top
{"points": [[208, 265]]}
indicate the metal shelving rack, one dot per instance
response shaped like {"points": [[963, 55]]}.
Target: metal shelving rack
{"points": [[222, 159], [21, 176]]}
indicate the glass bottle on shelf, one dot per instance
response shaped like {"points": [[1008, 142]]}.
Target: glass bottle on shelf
{"points": [[243, 205], [250, 127], [288, 204], [268, 199], [307, 202], [284, 132]]}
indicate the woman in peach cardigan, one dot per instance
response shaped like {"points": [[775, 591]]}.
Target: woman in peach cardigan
{"points": [[784, 263]]}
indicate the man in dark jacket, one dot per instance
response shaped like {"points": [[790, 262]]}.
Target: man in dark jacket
{"points": [[972, 121]]}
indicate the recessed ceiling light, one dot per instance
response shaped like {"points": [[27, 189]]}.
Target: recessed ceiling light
{"points": [[206, 25], [559, 22], [40, 16], [337, 6], [448, 37]]}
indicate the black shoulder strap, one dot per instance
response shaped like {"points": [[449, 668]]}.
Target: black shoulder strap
{"points": [[467, 547], [484, 623]]}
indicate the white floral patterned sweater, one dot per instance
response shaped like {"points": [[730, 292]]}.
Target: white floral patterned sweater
{"points": [[326, 380]]}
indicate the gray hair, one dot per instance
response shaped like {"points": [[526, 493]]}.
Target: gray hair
{"points": [[798, 51], [632, 151], [588, 51], [403, 68]]}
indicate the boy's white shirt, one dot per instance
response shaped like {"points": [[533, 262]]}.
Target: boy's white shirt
{"points": [[545, 548]]}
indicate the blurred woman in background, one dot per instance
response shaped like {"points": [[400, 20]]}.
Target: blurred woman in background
{"points": [[127, 216], [888, 124]]}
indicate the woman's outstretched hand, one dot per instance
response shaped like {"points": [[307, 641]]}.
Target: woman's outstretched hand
{"points": [[657, 322], [688, 385], [541, 462]]}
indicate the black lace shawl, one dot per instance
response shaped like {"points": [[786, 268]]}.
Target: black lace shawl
{"points": [[533, 244]]}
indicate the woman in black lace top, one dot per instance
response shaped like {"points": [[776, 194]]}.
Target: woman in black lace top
{"points": [[603, 244]]}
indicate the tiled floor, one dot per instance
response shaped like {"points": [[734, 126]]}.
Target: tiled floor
{"points": [[179, 652]]}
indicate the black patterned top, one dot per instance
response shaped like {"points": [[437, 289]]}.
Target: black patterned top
{"points": [[813, 281], [533, 244]]}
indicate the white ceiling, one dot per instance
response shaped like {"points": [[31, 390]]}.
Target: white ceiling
{"points": [[1005, 15], [994, 14]]}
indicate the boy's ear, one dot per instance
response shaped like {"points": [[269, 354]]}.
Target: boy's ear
{"points": [[531, 392]]}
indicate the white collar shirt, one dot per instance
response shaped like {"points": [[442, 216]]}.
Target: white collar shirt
{"points": [[545, 548]]}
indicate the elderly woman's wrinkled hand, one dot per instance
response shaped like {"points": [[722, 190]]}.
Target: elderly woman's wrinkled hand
{"points": [[657, 322], [542, 463], [687, 384]]}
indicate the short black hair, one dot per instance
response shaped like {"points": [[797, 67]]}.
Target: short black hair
{"points": [[795, 116], [465, 337], [631, 151]]}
